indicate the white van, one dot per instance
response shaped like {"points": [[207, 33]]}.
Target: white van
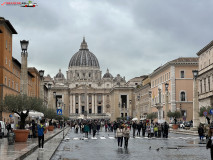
{"points": [[3, 129]]}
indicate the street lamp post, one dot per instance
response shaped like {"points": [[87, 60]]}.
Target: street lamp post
{"points": [[24, 74], [195, 100], [41, 73], [166, 102]]}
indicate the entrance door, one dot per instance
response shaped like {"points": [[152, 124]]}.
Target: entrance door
{"points": [[99, 109], [82, 109]]}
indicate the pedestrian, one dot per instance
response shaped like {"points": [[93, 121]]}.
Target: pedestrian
{"points": [[156, 130], [119, 135], [209, 143], [34, 128], [86, 130], [143, 129], [159, 130], [94, 129], [76, 127], [126, 135], [41, 129], [134, 126], [106, 126], [201, 132], [139, 126], [165, 130]]}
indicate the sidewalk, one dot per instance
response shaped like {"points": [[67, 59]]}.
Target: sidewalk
{"points": [[184, 131], [19, 150], [49, 148]]}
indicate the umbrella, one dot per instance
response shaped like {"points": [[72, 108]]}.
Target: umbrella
{"points": [[135, 119]]}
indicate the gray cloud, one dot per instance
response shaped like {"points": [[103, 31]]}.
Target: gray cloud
{"points": [[131, 38]]}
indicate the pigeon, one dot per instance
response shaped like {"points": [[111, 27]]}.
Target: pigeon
{"points": [[150, 147], [157, 149], [161, 147]]}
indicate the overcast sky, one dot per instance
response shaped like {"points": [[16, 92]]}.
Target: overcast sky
{"points": [[130, 37]]}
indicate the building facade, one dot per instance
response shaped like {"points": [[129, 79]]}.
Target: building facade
{"points": [[86, 93], [10, 68], [178, 75], [205, 76]]}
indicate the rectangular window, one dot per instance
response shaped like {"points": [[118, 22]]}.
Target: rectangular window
{"points": [[9, 82], [200, 86], [181, 74], [76, 111], [5, 79], [209, 83], [204, 85]]}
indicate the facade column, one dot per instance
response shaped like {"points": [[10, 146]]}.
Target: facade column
{"points": [[95, 103], [71, 110], [103, 104], [79, 103], [73, 104], [87, 104], [93, 109]]}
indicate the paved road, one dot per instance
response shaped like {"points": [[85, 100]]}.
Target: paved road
{"points": [[105, 147]]}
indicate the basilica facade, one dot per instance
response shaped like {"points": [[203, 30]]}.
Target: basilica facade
{"points": [[85, 93]]}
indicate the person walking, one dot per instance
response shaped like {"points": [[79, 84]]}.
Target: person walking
{"points": [[86, 130], [143, 129], [94, 129], [201, 132], [119, 135], [209, 143], [41, 129], [126, 135], [165, 130], [139, 126], [156, 130], [134, 126]]}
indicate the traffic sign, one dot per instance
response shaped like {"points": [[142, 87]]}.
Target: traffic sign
{"points": [[211, 111], [59, 111], [205, 113]]}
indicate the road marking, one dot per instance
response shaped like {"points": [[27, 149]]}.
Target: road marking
{"points": [[75, 138], [93, 138], [111, 138], [102, 138]]}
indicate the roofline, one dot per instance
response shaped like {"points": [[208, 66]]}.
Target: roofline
{"points": [[205, 48], [10, 26], [172, 63], [30, 74], [16, 61]]}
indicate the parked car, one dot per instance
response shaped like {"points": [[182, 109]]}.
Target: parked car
{"points": [[3, 130]]}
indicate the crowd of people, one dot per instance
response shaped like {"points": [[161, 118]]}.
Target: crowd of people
{"points": [[121, 129]]}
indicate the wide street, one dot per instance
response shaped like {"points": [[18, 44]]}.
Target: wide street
{"points": [[177, 146]]}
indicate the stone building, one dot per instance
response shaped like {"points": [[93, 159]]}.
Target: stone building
{"points": [[10, 69], [178, 74], [143, 99], [205, 76], [84, 92]]}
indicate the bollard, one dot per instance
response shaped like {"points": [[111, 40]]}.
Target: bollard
{"points": [[11, 138], [40, 154]]}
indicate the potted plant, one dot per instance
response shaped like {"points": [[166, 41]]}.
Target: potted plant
{"points": [[21, 105], [174, 115]]}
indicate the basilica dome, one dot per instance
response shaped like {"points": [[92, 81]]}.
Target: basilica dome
{"points": [[84, 58]]}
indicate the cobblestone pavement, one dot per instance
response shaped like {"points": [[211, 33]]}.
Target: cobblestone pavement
{"points": [[104, 146], [49, 148]]}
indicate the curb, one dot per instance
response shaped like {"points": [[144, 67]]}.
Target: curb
{"points": [[58, 145], [36, 147]]}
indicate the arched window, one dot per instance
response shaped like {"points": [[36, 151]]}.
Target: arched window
{"points": [[182, 96]]}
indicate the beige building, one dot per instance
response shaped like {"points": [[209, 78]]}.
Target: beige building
{"points": [[86, 93], [143, 99], [205, 76], [178, 74]]}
